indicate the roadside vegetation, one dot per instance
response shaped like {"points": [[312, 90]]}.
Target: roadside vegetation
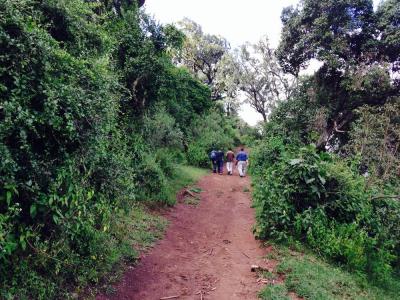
{"points": [[185, 176], [136, 230], [310, 277], [96, 121], [326, 171], [102, 110]]}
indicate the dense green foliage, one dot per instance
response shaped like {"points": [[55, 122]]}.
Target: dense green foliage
{"points": [[207, 134], [355, 45], [326, 172], [93, 118], [320, 200]]}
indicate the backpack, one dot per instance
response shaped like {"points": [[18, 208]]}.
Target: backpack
{"points": [[213, 155]]}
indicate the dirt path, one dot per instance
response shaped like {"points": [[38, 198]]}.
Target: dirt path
{"points": [[209, 247]]}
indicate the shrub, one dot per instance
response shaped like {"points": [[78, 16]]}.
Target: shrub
{"points": [[375, 138], [80, 84], [161, 131], [211, 131], [151, 179], [321, 200]]}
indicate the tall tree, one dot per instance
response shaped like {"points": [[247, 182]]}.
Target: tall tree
{"points": [[260, 77], [338, 32], [388, 25], [118, 6], [357, 47], [201, 54], [227, 83]]}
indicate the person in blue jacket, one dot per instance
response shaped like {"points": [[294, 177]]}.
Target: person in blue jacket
{"points": [[242, 160]]}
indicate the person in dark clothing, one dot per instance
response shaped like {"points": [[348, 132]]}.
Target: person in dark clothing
{"points": [[213, 157], [220, 161]]}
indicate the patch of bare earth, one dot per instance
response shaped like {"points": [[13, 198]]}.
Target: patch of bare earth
{"points": [[207, 251]]}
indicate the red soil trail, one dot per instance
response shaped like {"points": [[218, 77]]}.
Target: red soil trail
{"points": [[207, 251]]}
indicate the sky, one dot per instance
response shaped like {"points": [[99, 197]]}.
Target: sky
{"points": [[239, 21]]}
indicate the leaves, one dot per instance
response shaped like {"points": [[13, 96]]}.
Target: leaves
{"points": [[33, 210], [82, 84], [296, 161], [8, 197], [202, 54], [322, 179], [318, 198]]}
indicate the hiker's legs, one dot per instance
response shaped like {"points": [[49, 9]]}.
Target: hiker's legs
{"points": [[214, 166], [242, 168], [220, 167], [229, 167]]}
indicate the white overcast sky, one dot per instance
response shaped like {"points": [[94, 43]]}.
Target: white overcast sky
{"points": [[237, 20]]}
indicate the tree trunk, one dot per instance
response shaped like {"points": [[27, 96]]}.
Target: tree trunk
{"points": [[324, 138], [264, 115]]}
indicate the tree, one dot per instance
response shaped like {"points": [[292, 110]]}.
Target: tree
{"points": [[118, 6], [201, 54], [355, 45], [338, 33], [260, 77], [388, 24], [80, 135], [226, 82]]}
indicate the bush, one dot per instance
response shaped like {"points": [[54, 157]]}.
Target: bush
{"points": [[161, 131], [197, 155], [151, 179], [58, 110], [81, 84], [322, 201], [375, 138], [210, 131]]}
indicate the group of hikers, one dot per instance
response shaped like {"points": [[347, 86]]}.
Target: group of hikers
{"points": [[218, 158]]}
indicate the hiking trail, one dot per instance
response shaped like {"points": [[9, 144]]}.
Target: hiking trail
{"points": [[207, 250]]}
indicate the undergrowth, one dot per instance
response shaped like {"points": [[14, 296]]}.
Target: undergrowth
{"points": [[136, 231], [310, 277], [320, 200], [139, 229], [130, 231], [184, 176]]}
